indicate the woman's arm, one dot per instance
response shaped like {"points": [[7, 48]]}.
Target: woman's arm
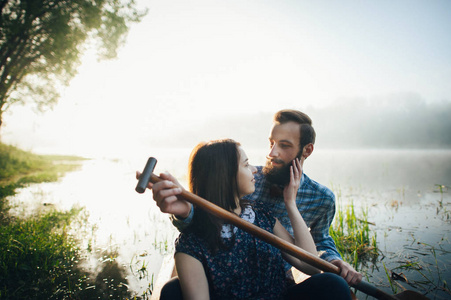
{"points": [[192, 277], [302, 236], [281, 232]]}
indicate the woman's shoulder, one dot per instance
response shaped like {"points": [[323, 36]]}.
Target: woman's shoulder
{"points": [[187, 240], [191, 244], [261, 208], [263, 214]]}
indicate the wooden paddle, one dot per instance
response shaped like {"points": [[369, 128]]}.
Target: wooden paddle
{"points": [[270, 238]]}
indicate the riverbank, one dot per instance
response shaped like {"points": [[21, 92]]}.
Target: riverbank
{"points": [[18, 168], [41, 257]]}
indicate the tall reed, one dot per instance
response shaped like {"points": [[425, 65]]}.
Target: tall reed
{"points": [[353, 237]]}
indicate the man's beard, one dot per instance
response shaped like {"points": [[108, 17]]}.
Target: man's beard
{"points": [[278, 175]]}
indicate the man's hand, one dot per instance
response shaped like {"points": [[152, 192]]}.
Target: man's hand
{"points": [[165, 193], [351, 276]]}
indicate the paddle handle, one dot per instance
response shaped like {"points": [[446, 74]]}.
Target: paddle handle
{"points": [[255, 230], [145, 175], [274, 240]]}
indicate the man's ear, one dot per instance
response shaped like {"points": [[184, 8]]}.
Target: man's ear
{"points": [[307, 151]]}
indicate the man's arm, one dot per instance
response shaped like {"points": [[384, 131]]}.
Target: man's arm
{"points": [[180, 223], [326, 244], [166, 194], [326, 247], [321, 212]]}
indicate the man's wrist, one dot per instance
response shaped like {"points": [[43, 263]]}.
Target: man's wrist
{"points": [[185, 218], [182, 217]]}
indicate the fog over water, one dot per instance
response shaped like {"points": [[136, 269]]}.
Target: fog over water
{"points": [[401, 122], [404, 122]]}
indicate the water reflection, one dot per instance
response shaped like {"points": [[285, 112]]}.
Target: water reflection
{"points": [[398, 188]]}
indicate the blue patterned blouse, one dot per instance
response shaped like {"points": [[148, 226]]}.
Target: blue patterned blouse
{"points": [[249, 269]]}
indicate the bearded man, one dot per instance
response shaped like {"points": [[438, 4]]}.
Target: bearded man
{"points": [[292, 136]]}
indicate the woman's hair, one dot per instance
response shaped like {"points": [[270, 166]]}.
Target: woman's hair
{"points": [[212, 175]]}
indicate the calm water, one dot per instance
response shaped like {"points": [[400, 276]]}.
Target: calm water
{"points": [[412, 219]]}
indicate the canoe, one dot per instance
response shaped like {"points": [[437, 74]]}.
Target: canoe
{"points": [[167, 271]]}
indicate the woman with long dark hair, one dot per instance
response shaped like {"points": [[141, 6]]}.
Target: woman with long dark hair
{"points": [[216, 260]]}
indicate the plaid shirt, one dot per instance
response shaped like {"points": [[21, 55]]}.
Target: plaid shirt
{"points": [[315, 202]]}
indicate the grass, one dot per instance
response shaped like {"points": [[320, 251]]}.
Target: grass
{"points": [[39, 257], [36, 254], [352, 235], [19, 168]]}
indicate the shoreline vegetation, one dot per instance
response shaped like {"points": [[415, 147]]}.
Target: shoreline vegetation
{"points": [[42, 258]]}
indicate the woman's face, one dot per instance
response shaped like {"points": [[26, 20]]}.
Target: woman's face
{"points": [[245, 176]]}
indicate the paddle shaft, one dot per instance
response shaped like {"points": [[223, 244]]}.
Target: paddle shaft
{"points": [[274, 240]]}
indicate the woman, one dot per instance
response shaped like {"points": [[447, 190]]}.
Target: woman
{"points": [[215, 260]]}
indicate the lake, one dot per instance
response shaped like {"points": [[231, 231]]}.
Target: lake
{"points": [[399, 188]]}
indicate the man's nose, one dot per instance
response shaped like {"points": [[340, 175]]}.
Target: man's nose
{"points": [[254, 169], [273, 152]]}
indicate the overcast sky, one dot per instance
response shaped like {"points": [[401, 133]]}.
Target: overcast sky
{"points": [[189, 61]]}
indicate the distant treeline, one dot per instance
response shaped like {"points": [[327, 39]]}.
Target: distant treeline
{"points": [[389, 123], [404, 124]]}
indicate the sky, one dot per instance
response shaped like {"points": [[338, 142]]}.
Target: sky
{"points": [[190, 61]]}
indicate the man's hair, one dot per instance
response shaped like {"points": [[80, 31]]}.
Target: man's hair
{"points": [[307, 133], [212, 175]]}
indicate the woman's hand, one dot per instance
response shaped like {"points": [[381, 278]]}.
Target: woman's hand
{"points": [[301, 233], [290, 191]]}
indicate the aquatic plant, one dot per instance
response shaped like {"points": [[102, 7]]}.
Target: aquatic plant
{"points": [[352, 235]]}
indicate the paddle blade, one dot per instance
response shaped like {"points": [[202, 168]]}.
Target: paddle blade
{"points": [[410, 295]]}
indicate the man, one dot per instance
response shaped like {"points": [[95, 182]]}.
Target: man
{"points": [[291, 136]]}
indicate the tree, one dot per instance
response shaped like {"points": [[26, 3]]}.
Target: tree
{"points": [[41, 43]]}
